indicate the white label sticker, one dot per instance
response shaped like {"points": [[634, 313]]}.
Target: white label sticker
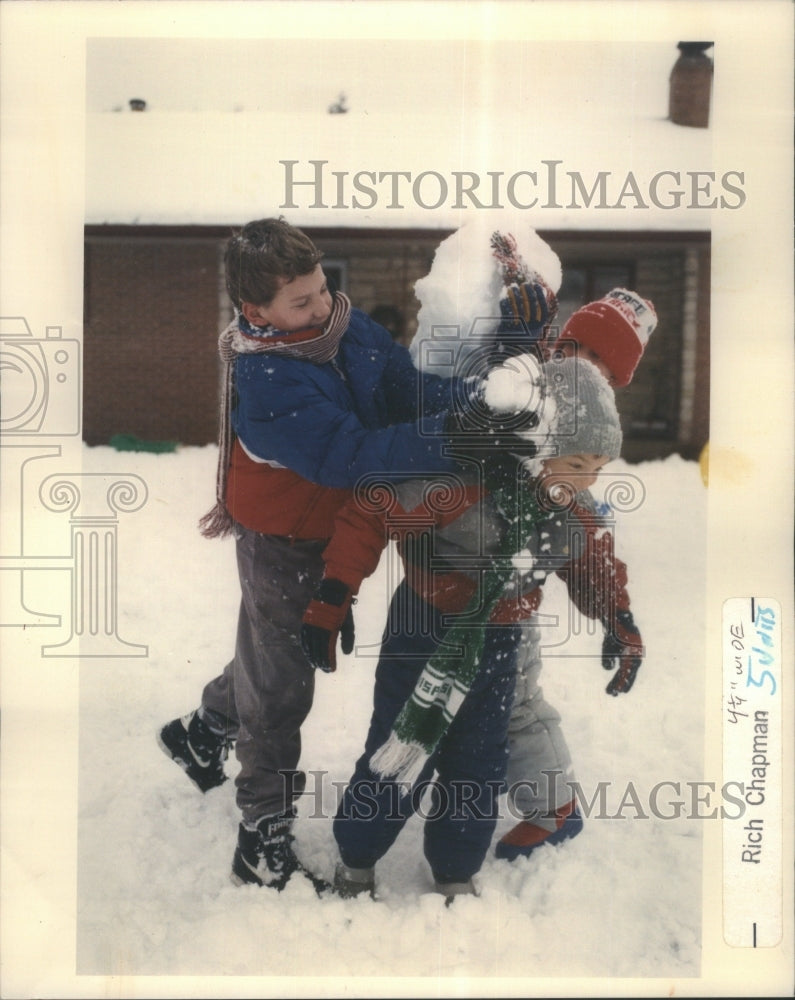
{"points": [[752, 763]]}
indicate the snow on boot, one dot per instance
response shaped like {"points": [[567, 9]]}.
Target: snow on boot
{"points": [[350, 882], [525, 837], [452, 889], [197, 749], [264, 854]]}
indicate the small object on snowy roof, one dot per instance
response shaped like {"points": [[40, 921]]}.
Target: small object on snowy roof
{"points": [[339, 107], [137, 104]]}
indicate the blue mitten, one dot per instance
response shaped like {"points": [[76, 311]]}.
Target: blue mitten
{"points": [[528, 307]]}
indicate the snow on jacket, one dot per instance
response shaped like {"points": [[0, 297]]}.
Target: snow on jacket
{"points": [[446, 531], [306, 433]]}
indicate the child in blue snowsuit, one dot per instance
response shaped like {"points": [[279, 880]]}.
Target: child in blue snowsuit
{"points": [[442, 576]]}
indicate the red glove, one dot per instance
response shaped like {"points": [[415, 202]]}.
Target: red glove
{"points": [[622, 647], [328, 615]]}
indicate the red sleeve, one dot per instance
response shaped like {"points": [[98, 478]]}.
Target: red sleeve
{"points": [[357, 543], [361, 533], [597, 579]]}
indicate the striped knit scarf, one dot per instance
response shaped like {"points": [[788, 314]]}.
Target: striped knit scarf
{"points": [[240, 337], [447, 677]]}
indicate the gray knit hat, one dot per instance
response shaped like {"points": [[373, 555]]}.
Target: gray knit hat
{"points": [[587, 421]]}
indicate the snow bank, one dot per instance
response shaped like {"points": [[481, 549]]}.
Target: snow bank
{"points": [[154, 895]]}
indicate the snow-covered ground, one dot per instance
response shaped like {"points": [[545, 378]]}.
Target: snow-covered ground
{"points": [[154, 895]]}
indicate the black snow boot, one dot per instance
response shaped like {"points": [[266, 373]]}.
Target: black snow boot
{"points": [[197, 749], [265, 856]]}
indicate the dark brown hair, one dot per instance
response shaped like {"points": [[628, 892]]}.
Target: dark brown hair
{"points": [[265, 254]]}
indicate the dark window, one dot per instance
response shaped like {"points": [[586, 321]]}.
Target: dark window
{"points": [[336, 272], [585, 282]]}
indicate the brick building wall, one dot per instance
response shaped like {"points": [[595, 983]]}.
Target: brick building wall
{"points": [[155, 304], [381, 269], [150, 333]]}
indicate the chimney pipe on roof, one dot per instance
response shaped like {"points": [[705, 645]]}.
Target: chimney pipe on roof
{"points": [[690, 85]]}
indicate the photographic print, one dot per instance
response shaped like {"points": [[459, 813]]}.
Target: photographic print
{"points": [[458, 333]]}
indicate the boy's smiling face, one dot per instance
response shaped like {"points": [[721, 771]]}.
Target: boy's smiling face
{"points": [[563, 476], [300, 304]]}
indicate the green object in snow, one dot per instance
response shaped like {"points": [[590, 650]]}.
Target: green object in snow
{"points": [[129, 442]]}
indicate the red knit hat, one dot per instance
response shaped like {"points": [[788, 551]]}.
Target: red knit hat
{"points": [[617, 328]]}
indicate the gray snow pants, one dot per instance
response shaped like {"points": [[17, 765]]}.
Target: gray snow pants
{"points": [[265, 692], [539, 762]]}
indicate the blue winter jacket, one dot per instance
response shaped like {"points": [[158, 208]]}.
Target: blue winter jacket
{"points": [[309, 432], [335, 422]]}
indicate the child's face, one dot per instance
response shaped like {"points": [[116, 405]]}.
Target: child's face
{"points": [[568, 350], [564, 476], [299, 304]]}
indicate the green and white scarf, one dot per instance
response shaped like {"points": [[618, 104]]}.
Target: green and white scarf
{"points": [[447, 677]]}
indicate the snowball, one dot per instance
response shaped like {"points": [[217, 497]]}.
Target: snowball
{"points": [[514, 386]]}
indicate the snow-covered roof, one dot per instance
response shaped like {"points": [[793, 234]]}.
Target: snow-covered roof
{"points": [[590, 142]]}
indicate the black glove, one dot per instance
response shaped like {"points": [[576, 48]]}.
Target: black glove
{"points": [[499, 453], [622, 647], [328, 615], [528, 306]]}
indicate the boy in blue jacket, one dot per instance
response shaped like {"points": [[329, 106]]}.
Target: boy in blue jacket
{"points": [[315, 395]]}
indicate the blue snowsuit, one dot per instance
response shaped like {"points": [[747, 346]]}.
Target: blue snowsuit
{"points": [[462, 808], [472, 759]]}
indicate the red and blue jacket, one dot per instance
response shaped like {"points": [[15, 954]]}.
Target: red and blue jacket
{"points": [[306, 432], [447, 531]]}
